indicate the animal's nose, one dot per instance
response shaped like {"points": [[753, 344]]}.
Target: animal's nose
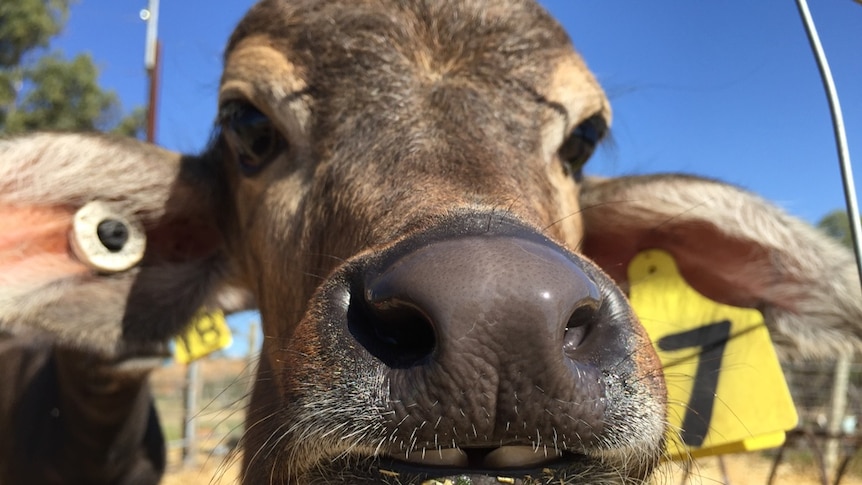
{"points": [[483, 338], [486, 296]]}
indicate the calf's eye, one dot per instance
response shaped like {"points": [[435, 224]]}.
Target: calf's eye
{"points": [[581, 143], [250, 135]]}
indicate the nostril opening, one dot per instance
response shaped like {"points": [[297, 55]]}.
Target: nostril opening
{"points": [[395, 332], [579, 325]]}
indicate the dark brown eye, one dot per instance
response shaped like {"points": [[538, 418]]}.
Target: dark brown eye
{"points": [[252, 137], [582, 142]]}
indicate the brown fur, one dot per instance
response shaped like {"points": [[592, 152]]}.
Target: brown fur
{"points": [[399, 117], [70, 417]]}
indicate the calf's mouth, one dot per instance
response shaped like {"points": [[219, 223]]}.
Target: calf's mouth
{"points": [[506, 464], [511, 464]]}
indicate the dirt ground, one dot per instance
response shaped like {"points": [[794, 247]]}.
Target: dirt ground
{"points": [[746, 469]]}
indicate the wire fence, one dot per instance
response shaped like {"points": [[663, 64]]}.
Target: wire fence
{"points": [[212, 425], [811, 385], [828, 399], [224, 385]]}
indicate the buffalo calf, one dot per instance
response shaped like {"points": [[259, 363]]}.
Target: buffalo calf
{"points": [[399, 184]]}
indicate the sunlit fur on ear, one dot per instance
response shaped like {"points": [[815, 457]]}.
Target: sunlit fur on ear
{"points": [[47, 169], [48, 281], [733, 246]]}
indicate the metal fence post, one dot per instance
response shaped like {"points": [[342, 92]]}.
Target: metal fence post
{"points": [[190, 398], [836, 413]]}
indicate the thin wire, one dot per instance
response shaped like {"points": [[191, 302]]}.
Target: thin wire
{"points": [[838, 128]]}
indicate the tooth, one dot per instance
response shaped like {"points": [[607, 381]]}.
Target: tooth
{"points": [[453, 457], [516, 456]]}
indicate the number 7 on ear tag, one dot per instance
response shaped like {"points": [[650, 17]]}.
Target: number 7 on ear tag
{"points": [[726, 390]]}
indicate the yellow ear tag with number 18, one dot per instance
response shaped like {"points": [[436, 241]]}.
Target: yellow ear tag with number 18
{"points": [[206, 333], [726, 390]]}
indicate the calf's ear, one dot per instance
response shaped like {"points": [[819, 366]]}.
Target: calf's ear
{"points": [[108, 245], [735, 248]]}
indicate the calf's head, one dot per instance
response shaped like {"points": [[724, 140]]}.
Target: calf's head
{"points": [[406, 187], [399, 186]]}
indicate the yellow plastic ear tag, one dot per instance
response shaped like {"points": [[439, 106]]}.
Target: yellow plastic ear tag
{"points": [[206, 333], [726, 390]]}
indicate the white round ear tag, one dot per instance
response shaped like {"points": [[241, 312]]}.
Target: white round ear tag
{"points": [[105, 240]]}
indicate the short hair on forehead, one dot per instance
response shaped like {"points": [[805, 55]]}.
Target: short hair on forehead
{"points": [[508, 31]]}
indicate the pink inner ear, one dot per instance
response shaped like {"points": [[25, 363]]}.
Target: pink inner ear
{"points": [[34, 245], [726, 270]]}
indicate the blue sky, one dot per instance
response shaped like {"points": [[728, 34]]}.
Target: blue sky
{"points": [[726, 89]]}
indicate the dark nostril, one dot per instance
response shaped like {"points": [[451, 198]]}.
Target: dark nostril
{"points": [[394, 331], [579, 324]]}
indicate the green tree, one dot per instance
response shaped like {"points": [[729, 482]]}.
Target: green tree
{"points": [[26, 25], [837, 225], [40, 89]]}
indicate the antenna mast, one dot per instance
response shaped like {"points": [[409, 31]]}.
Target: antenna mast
{"points": [[152, 63]]}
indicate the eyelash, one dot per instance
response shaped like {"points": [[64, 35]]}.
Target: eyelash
{"points": [[582, 142], [254, 140]]}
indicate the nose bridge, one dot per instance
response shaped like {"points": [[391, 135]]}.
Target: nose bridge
{"points": [[422, 143]]}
